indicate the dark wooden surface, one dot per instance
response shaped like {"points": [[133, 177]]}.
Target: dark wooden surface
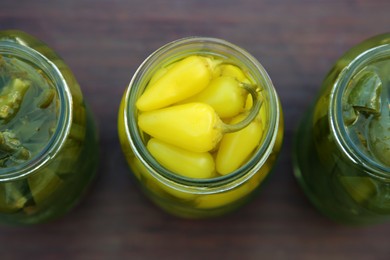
{"points": [[104, 41]]}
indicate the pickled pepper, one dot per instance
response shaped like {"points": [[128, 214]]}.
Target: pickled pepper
{"points": [[184, 79], [224, 94], [182, 110], [192, 164], [236, 147]]}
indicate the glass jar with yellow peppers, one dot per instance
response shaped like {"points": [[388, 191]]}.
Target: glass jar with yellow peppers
{"points": [[201, 126], [342, 147], [48, 144]]}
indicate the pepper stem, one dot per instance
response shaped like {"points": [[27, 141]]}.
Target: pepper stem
{"points": [[254, 111]]}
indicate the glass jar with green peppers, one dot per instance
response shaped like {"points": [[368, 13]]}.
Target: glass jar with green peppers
{"points": [[200, 125], [48, 143], [342, 147]]}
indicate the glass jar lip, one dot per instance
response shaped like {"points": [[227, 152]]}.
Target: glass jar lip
{"points": [[21, 50], [200, 45], [342, 138]]}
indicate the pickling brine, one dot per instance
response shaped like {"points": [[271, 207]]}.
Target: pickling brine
{"points": [[342, 149], [47, 138], [200, 125]]}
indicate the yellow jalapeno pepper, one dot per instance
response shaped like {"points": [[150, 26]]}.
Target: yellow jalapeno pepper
{"points": [[185, 78], [159, 73], [235, 148], [233, 71], [192, 165], [224, 94], [193, 126]]}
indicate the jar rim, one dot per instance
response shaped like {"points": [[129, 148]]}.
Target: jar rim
{"points": [[18, 48], [201, 45], [343, 140]]}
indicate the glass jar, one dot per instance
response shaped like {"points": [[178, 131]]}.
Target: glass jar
{"points": [[195, 197], [341, 155], [48, 143]]}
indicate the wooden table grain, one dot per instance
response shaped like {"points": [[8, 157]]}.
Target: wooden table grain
{"points": [[104, 41]]}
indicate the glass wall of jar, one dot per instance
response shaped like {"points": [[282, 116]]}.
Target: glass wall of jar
{"points": [[342, 147], [161, 140], [48, 143]]}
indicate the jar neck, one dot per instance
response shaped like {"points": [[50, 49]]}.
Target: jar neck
{"points": [[369, 56], [20, 50], [200, 46]]}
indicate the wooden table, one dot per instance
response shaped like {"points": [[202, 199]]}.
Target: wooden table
{"points": [[105, 41]]}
